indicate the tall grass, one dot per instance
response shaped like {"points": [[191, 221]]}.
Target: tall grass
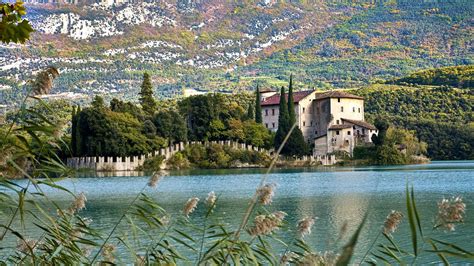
{"points": [[153, 236]]}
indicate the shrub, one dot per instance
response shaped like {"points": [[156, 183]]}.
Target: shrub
{"points": [[364, 152], [178, 161], [152, 164]]}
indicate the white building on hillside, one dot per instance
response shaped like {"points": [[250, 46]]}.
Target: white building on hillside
{"points": [[332, 121]]}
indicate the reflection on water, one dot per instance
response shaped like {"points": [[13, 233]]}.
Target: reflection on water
{"points": [[334, 195]]}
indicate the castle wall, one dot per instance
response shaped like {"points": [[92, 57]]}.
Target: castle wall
{"points": [[131, 163], [346, 108], [305, 116], [270, 115]]}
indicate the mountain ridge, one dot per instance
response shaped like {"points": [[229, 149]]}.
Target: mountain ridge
{"points": [[220, 45]]}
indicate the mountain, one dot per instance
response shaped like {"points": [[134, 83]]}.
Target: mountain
{"points": [[104, 47]]}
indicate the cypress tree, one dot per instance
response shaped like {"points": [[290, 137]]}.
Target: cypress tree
{"points": [[147, 101], [296, 146], [283, 120], [250, 114], [258, 107], [291, 103], [79, 143], [73, 131]]}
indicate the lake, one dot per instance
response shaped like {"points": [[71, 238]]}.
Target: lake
{"points": [[335, 195]]}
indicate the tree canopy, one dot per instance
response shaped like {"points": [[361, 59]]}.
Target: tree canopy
{"points": [[13, 26]]}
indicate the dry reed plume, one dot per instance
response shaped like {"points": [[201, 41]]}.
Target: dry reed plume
{"points": [[266, 224], [108, 252], [266, 193], [190, 206], [211, 199], [288, 257], [156, 177], [327, 258], [78, 204], [392, 222], [27, 246], [450, 211], [304, 226]]}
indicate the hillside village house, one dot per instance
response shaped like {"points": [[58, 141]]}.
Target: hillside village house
{"points": [[331, 121]]}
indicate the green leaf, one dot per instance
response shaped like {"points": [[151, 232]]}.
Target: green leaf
{"points": [[389, 253], [452, 253], [184, 235], [417, 216], [440, 255], [411, 220], [348, 250], [453, 246]]}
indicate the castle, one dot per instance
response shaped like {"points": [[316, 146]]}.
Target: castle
{"points": [[330, 121]]}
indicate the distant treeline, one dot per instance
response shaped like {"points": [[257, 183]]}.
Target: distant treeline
{"points": [[440, 116], [124, 128], [456, 76]]}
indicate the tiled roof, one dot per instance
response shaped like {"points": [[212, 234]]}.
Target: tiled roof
{"points": [[275, 99], [337, 127], [360, 123], [266, 90], [336, 94]]}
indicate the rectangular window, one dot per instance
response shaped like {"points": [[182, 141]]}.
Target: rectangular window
{"points": [[311, 122], [338, 100], [348, 132], [304, 123], [363, 131], [303, 110], [337, 122], [266, 125], [316, 132], [353, 109], [266, 112], [342, 108], [273, 125], [273, 111], [359, 110], [337, 132]]}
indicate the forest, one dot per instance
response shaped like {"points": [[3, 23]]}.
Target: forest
{"points": [[455, 76], [124, 128], [441, 116]]}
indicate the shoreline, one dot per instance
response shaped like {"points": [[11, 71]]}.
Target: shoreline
{"points": [[253, 169]]}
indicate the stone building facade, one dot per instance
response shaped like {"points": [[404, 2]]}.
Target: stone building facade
{"points": [[330, 121]]}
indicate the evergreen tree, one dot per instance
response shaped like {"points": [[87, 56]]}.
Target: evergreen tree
{"points": [[291, 103], [283, 120], [296, 146], [146, 95], [98, 102], [382, 126], [258, 107], [78, 133], [73, 131], [250, 114]]}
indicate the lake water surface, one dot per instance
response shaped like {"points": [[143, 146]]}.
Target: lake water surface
{"points": [[334, 195]]}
